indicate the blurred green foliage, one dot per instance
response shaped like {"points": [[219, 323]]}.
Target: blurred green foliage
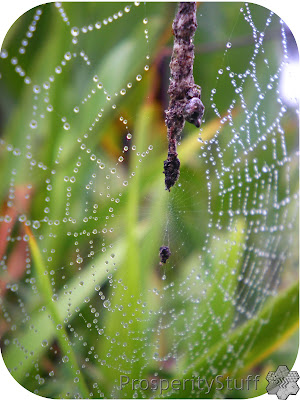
{"points": [[117, 53]]}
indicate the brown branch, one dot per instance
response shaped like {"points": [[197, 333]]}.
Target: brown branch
{"points": [[185, 96]]}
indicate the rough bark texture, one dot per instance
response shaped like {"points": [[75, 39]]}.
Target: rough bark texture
{"points": [[185, 96]]}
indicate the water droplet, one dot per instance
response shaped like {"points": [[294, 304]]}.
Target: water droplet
{"points": [[33, 124], [36, 89], [75, 31], [55, 297], [138, 78], [3, 54], [106, 303], [36, 224], [44, 343], [14, 287], [68, 56]]}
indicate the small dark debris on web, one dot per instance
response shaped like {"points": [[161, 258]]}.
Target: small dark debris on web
{"points": [[164, 254]]}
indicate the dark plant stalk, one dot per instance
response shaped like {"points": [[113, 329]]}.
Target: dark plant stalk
{"points": [[185, 96]]}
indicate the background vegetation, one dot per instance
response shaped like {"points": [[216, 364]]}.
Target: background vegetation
{"points": [[39, 250]]}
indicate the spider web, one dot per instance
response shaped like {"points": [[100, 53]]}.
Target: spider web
{"points": [[99, 213]]}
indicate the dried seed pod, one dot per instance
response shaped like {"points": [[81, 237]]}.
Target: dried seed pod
{"points": [[185, 96], [171, 170]]}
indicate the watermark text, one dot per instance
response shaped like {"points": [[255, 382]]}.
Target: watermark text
{"points": [[219, 382]]}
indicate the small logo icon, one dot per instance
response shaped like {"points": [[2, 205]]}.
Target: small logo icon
{"points": [[282, 382]]}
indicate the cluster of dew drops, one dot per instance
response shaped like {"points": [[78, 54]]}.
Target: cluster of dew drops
{"points": [[243, 168], [41, 92], [97, 85], [237, 80]]}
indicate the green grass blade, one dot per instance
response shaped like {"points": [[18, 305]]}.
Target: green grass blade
{"points": [[44, 328], [45, 287]]}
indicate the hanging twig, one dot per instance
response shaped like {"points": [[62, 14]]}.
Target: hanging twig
{"points": [[185, 96]]}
